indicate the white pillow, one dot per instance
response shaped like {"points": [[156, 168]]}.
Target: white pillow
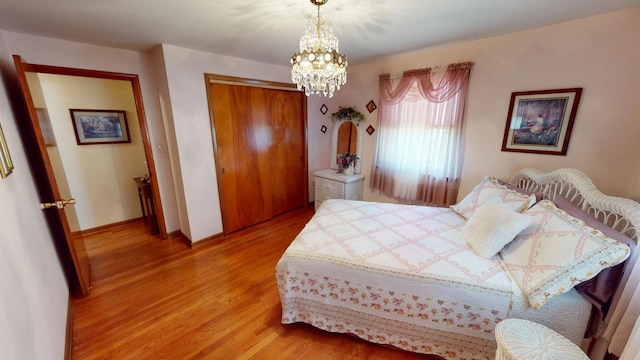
{"points": [[490, 188], [492, 226], [557, 253]]}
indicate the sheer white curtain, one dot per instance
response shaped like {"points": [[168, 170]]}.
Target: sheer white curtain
{"points": [[626, 314], [620, 334], [632, 349], [418, 154]]}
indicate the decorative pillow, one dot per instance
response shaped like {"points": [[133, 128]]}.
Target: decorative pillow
{"points": [[492, 226], [487, 189], [574, 210], [558, 252], [601, 288]]}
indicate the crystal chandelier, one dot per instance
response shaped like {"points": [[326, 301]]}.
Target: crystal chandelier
{"points": [[319, 67]]}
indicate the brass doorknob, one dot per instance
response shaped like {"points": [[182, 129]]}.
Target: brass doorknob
{"points": [[58, 204]]}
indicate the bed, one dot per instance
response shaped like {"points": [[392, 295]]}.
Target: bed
{"points": [[430, 280]]}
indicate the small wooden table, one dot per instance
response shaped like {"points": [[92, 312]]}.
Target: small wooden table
{"points": [[147, 206]]}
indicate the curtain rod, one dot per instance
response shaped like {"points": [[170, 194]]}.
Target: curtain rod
{"points": [[433, 69]]}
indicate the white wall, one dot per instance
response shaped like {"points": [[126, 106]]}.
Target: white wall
{"points": [[100, 176], [189, 115], [48, 51], [33, 304], [599, 54]]}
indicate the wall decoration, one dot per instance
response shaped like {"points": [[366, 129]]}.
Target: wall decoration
{"points": [[323, 129], [348, 113], [6, 165], [324, 109], [540, 121], [370, 130], [371, 106], [100, 126]]}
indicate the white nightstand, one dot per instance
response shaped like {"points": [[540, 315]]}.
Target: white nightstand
{"points": [[523, 339], [331, 185]]}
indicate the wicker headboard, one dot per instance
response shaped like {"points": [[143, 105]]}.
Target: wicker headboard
{"points": [[618, 213]]}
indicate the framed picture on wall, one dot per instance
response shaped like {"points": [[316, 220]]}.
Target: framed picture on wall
{"points": [[100, 126], [541, 121], [6, 165]]}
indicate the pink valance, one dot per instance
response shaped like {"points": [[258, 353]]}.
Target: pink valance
{"points": [[454, 80]]}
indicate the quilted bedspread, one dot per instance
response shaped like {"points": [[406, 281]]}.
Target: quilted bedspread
{"points": [[398, 275]]}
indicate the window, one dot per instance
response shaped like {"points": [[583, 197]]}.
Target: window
{"points": [[418, 150]]}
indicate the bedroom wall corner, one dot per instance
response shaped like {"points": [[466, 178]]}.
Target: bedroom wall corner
{"points": [[185, 71], [157, 63]]}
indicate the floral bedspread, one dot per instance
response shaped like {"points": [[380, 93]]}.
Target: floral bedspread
{"points": [[397, 275]]}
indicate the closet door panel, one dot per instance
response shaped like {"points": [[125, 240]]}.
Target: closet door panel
{"points": [[287, 152], [262, 140], [241, 193]]}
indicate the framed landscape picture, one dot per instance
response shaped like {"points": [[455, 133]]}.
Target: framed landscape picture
{"points": [[541, 121], [100, 126]]}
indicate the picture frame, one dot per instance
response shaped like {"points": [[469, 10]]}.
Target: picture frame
{"points": [[100, 126], [541, 121], [6, 164], [371, 106]]}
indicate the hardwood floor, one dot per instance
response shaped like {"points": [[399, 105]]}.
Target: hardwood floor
{"points": [[159, 299]]}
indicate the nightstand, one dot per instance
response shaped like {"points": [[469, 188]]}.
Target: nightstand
{"points": [[331, 185]]}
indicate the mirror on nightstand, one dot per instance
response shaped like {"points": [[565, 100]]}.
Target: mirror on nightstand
{"points": [[347, 137]]}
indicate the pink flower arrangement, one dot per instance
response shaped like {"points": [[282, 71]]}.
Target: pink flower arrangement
{"points": [[345, 160]]}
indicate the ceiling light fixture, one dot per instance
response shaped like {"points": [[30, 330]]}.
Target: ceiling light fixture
{"points": [[319, 67]]}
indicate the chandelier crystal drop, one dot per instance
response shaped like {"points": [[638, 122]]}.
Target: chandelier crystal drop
{"points": [[319, 67]]}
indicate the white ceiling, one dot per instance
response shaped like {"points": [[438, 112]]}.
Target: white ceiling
{"points": [[269, 31]]}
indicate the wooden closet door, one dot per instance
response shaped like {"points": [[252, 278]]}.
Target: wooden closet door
{"points": [[237, 114], [260, 137], [287, 152]]}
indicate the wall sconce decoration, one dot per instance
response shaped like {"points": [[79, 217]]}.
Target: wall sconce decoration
{"points": [[370, 130], [371, 106]]}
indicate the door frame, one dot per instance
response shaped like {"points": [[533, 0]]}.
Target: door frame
{"points": [[71, 264]]}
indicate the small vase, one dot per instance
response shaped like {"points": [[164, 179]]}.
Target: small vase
{"points": [[350, 170]]}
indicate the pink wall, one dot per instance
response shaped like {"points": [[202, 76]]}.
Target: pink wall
{"points": [[47, 51], [598, 54], [190, 124], [34, 291]]}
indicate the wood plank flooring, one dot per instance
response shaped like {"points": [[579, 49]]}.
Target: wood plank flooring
{"points": [[159, 299]]}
